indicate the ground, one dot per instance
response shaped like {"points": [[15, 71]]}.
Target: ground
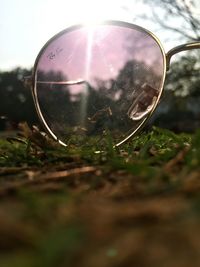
{"points": [[137, 205]]}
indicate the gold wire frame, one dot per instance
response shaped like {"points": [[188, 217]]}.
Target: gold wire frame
{"points": [[180, 48], [166, 63]]}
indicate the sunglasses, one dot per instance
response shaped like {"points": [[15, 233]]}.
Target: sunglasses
{"points": [[95, 81]]}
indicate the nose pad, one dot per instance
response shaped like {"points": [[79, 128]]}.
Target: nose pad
{"points": [[143, 102]]}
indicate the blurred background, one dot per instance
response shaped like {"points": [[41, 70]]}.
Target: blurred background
{"points": [[26, 25]]}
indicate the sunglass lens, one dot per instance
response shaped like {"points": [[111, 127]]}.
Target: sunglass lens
{"points": [[92, 82]]}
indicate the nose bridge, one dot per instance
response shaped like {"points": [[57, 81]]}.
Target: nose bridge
{"points": [[180, 48]]}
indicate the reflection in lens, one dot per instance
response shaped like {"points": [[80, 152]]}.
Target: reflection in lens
{"points": [[143, 102], [96, 81]]}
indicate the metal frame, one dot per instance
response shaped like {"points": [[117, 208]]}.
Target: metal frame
{"points": [[180, 48], [166, 61]]}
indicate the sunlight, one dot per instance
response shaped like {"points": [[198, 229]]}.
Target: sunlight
{"points": [[64, 13], [84, 95], [40, 20], [67, 12], [90, 10], [90, 34]]}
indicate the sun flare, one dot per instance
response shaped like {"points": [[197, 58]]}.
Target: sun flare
{"points": [[87, 11]]}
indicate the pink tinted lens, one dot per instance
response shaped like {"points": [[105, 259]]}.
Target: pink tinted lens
{"points": [[91, 81]]}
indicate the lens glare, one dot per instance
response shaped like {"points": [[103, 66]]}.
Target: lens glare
{"points": [[96, 81]]}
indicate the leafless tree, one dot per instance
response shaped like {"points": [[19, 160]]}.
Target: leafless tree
{"points": [[179, 16]]}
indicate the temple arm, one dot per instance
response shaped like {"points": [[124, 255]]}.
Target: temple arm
{"points": [[28, 82], [180, 48], [79, 81]]}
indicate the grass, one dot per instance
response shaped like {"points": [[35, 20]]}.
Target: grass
{"points": [[137, 205]]}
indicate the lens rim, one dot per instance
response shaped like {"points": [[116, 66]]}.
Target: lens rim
{"points": [[79, 26]]}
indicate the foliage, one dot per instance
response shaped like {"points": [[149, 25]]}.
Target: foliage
{"points": [[16, 101], [179, 108], [179, 19]]}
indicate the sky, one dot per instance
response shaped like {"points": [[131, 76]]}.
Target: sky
{"points": [[26, 25]]}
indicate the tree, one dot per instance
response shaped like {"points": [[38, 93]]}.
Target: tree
{"points": [[16, 102], [181, 19], [178, 16]]}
